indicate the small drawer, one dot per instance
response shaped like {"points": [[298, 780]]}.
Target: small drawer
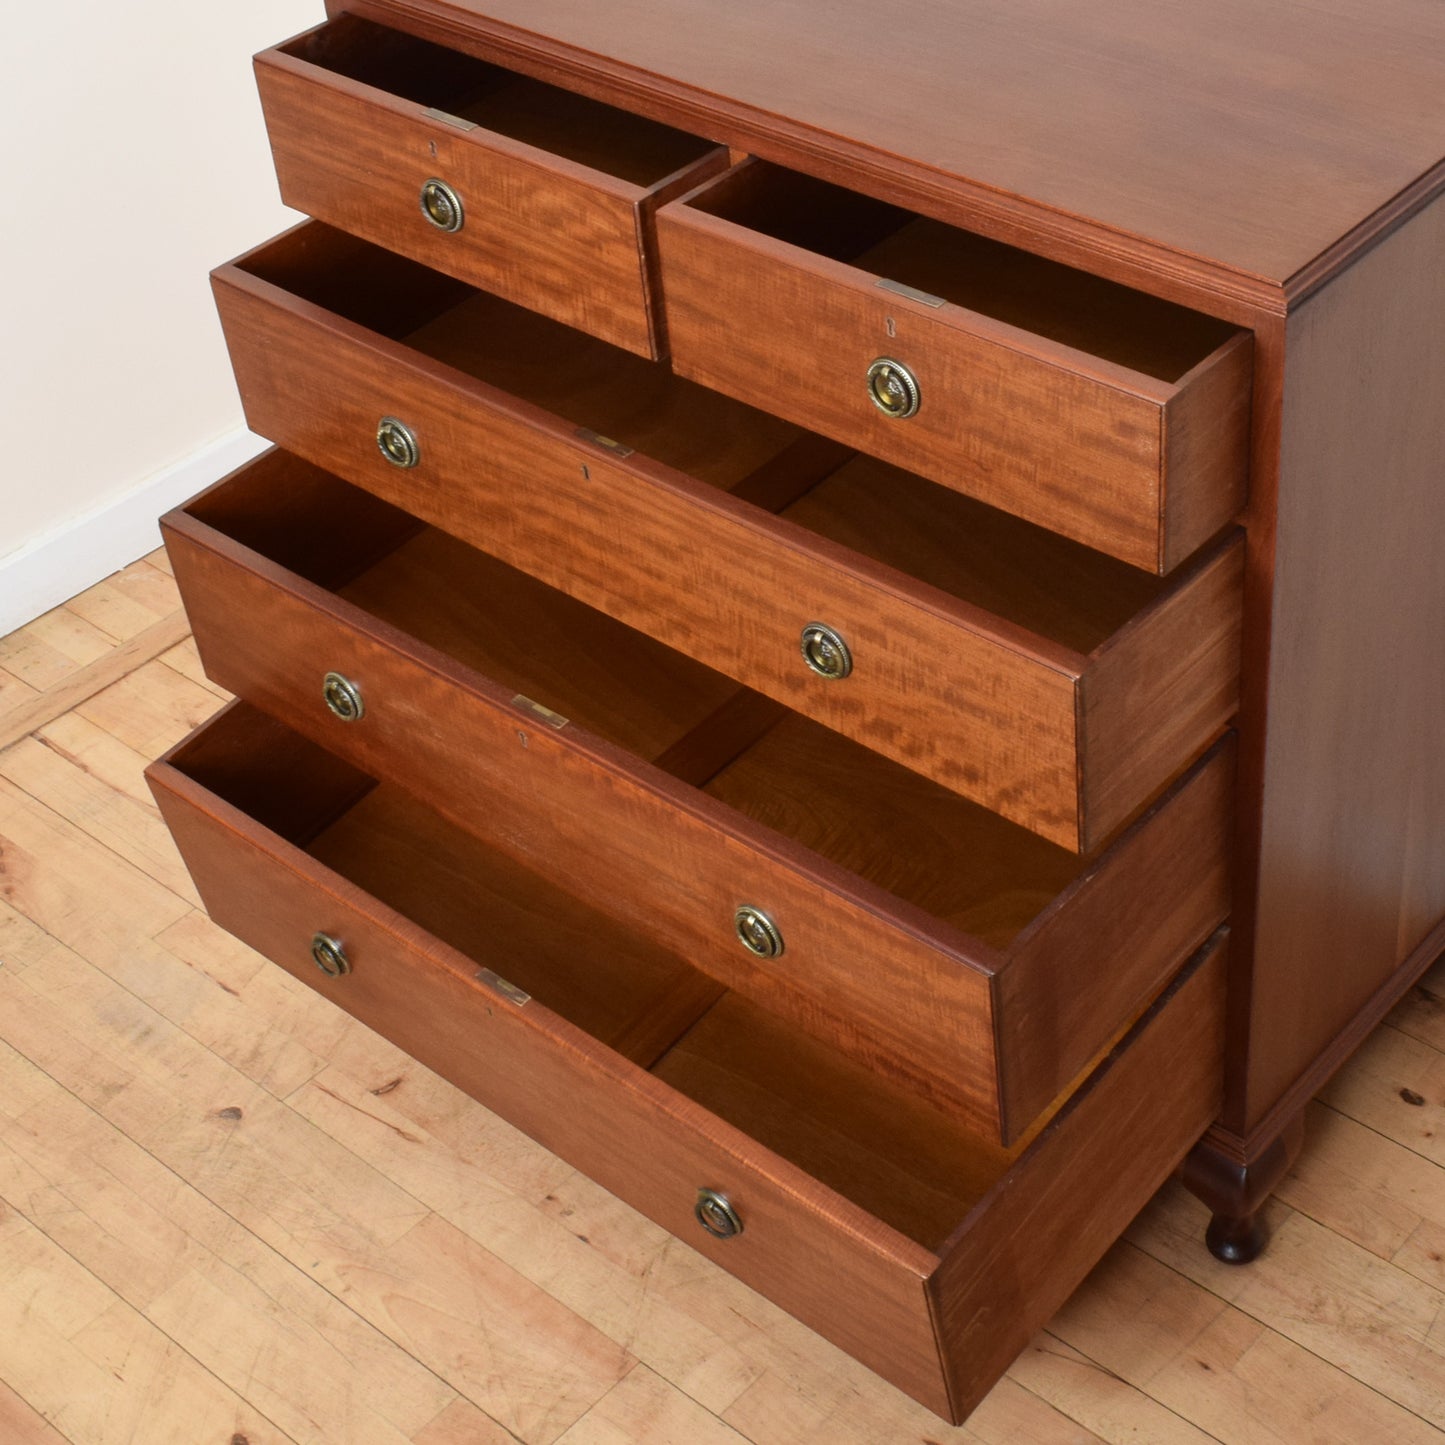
{"points": [[541, 195], [1099, 412], [875, 1219], [1060, 687], [968, 959]]}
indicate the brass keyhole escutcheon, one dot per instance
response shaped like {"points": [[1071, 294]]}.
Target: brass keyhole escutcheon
{"points": [[757, 932], [397, 442], [441, 205], [716, 1214], [343, 697], [825, 651], [330, 955], [893, 388]]}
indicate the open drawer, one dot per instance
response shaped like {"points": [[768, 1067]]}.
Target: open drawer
{"points": [[943, 946], [1056, 685], [541, 195], [878, 1221], [1099, 412]]}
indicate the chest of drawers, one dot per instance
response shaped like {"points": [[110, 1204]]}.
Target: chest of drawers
{"points": [[859, 659]]}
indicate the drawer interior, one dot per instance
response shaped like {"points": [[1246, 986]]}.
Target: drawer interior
{"points": [[558, 121], [586, 382], [981, 556], [900, 831], [1071, 307], [903, 1161], [1025, 574], [498, 621]]}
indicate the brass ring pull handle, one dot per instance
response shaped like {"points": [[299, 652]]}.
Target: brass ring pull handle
{"points": [[825, 651], [442, 206], [397, 443], [343, 697], [757, 932], [714, 1211], [330, 956], [893, 388]]}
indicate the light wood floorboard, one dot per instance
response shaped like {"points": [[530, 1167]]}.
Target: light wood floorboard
{"points": [[231, 1214]]}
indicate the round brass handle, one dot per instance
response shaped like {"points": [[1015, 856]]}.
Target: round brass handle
{"points": [[330, 956], [757, 932], [893, 388], [716, 1214], [441, 205], [397, 442], [343, 697], [825, 651]]}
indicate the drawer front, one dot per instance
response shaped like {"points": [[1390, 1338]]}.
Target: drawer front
{"points": [[991, 1034], [542, 230], [1143, 469], [941, 1322], [1067, 744]]}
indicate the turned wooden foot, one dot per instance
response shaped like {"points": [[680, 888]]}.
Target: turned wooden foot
{"points": [[1236, 1241], [1235, 1178]]}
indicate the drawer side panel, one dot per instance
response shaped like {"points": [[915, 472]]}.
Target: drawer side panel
{"points": [[1160, 689], [1030, 1242], [1113, 940]]}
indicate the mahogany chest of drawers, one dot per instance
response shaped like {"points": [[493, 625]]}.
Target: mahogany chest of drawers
{"points": [[846, 624]]}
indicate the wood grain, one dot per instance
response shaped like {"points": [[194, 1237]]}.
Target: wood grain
{"points": [[1060, 437], [971, 678], [63, 1348], [543, 229], [933, 1022], [22, 1424], [181, 1262], [1023, 1248], [1180, 852], [611, 831], [1127, 1354], [428, 999], [623, 1126], [1215, 153], [615, 986], [911, 1166], [39, 708], [1157, 687], [1351, 872], [1305, 1265], [1206, 1361]]}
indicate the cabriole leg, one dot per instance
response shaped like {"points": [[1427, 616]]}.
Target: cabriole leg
{"points": [[1235, 1180]]}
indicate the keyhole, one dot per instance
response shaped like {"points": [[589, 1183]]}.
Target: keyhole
{"points": [[892, 329]]}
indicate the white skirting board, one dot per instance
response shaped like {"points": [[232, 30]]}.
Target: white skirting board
{"points": [[56, 566]]}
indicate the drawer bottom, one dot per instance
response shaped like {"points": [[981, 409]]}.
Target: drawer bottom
{"points": [[928, 1253]]}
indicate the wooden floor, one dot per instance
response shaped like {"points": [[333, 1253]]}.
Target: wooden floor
{"points": [[231, 1216]]}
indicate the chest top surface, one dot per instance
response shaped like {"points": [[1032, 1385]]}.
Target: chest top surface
{"points": [[1252, 135]]}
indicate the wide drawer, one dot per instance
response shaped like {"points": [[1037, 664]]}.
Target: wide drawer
{"points": [[1053, 684], [541, 195], [1101, 413], [876, 1220], [920, 933]]}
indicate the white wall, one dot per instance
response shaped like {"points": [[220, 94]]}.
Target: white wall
{"points": [[135, 160]]}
